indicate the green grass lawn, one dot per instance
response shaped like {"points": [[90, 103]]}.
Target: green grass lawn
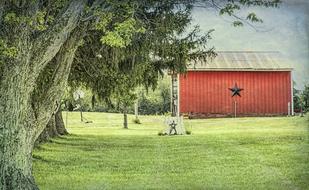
{"points": [[244, 153]]}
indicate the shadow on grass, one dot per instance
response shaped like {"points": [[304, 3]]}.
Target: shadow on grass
{"points": [[40, 158], [87, 143]]}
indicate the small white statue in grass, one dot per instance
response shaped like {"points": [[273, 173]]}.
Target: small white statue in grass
{"points": [[175, 126]]}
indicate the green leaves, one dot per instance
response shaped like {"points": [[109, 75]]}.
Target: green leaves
{"points": [[103, 21], [118, 24], [229, 9], [265, 3], [38, 22], [305, 97], [122, 34], [6, 52], [232, 6], [132, 42], [237, 23], [253, 18], [41, 21]]}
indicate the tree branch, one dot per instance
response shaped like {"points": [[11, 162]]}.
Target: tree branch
{"points": [[45, 100], [1, 10], [47, 45], [218, 7]]}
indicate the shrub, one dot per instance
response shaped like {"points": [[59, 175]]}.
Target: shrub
{"points": [[161, 133], [137, 121]]}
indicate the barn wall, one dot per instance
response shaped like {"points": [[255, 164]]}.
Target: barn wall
{"points": [[206, 93]]}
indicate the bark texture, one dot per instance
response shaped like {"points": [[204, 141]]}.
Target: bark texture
{"points": [[25, 111], [60, 123], [54, 128], [125, 119]]}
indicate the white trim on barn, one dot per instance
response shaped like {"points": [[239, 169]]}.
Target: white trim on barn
{"points": [[178, 95], [292, 94]]}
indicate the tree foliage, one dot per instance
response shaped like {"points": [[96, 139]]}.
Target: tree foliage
{"points": [[297, 100], [305, 98], [157, 101], [158, 43]]}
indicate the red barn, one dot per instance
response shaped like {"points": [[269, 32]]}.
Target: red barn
{"points": [[260, 82]]}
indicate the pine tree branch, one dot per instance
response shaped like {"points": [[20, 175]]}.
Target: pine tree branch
{"points": [[1, 10]]}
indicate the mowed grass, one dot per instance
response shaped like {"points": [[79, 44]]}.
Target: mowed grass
{"points": [[242, 153]]}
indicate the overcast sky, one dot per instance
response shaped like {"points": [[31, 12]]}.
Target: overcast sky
{"points": [[285, 29]]}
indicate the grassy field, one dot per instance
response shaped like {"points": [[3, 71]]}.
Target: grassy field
{"points": [[244, 153]]}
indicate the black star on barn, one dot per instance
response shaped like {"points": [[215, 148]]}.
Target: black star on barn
{"points": [[235, 90]]}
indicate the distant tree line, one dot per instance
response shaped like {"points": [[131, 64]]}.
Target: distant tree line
{"points": [[301, 99], [150, 102]]}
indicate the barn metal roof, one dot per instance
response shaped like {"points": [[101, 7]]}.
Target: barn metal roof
{"points": [[243, 61]]}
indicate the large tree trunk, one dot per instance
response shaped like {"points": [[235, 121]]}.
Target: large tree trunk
{"points": [[21, 122], [16, 163], [125, 118], [48, 132], [54, 128], [25, 108], [17, 127], [60, 123]]}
